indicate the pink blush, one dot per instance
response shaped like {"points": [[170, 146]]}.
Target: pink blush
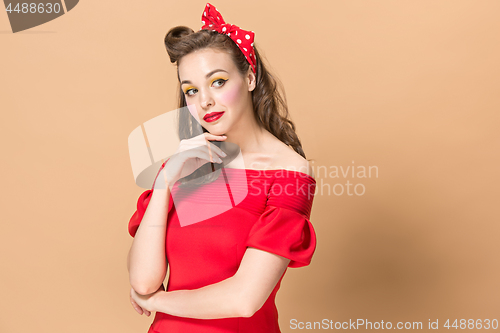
{"points": [[193, 111], [231, 96]]}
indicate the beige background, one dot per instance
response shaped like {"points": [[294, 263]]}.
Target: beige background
{"points": [[408, 86]]}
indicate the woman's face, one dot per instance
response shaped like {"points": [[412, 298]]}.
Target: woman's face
{"points": [[212, 85]]}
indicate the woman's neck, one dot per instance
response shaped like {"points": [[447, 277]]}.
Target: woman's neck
{"points": [[249, 136]]}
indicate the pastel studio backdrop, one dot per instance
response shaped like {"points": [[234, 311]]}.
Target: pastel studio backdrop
{"points": [[408, 88]]}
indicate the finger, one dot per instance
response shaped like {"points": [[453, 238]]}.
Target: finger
{"points": [[139, 310], [214, 137], [210, 151], [203, 153], [136, 306], [199, 140], [212, 146], [213, 156]]}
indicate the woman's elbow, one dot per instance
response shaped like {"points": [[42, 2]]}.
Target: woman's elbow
{"points": [[145, 288], [247, 312], [146, 282], [248, 306]]}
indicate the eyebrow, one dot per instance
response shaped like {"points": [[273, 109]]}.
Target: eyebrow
{"points": [[207, 76]]}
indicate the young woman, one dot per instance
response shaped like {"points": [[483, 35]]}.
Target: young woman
{"points": [[227, 265]]}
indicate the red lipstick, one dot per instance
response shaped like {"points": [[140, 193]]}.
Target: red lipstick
{"points": [[209, 117]]}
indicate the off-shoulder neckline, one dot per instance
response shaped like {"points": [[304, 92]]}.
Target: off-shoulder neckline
{"points": [[304, 175]]}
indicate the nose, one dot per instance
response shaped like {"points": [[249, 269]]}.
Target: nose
{"points": [[206, 99]]}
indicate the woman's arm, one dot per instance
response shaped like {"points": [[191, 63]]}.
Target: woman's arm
{"points": [[146, 262], [238, 296]]}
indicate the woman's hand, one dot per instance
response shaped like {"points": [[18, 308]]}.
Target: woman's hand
{"points": [[143, 303], [136, 306], [191, 155]]}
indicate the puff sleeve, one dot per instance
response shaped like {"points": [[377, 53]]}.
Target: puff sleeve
{"points": [[284, 227], [142, 205]]}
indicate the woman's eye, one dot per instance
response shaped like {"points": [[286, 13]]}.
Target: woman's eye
{"points": [[190, 90], [217, 83], [220, 81]]}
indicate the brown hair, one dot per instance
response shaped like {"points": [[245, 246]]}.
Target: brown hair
{"points": [[270, 108]]}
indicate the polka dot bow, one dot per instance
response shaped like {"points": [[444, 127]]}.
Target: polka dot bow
{"points": [[212, 20]]}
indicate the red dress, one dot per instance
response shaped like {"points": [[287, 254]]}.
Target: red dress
{"points": [[273, 216]]}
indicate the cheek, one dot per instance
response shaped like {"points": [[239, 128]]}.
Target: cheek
{"points": [[231, 96], [192, 109]]}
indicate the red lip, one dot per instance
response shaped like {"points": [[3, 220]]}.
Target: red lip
{"points": [[209, 117]]}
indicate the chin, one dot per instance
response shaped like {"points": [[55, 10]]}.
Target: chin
{"points": [[216, 131]]}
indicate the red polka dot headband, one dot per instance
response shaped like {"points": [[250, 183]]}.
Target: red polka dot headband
{"points": [[212, 20]]}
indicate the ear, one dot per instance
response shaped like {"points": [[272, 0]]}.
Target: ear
{"points": [[251, 79]]}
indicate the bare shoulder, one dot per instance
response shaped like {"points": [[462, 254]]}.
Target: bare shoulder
{"points": [[288, 159]]}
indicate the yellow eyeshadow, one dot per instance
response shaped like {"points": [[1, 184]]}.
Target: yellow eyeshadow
{"points": [[187, 89], [219, 78]]}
